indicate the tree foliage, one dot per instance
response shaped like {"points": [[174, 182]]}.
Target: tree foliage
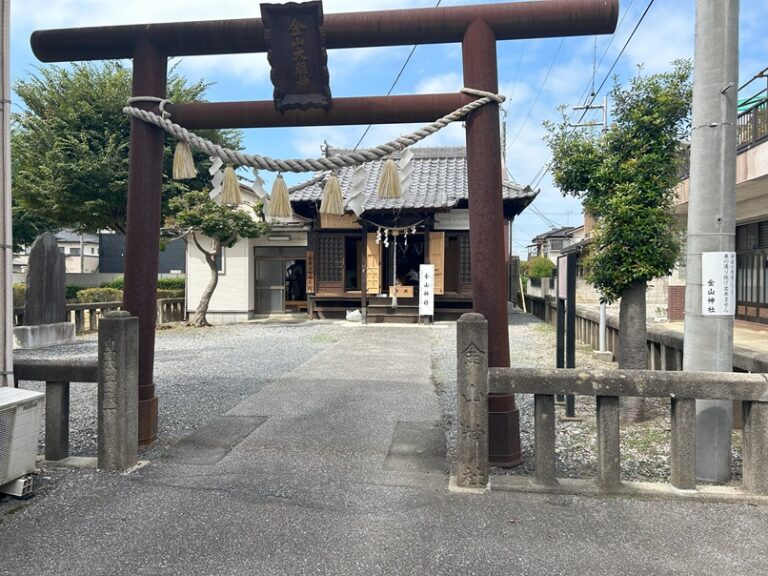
{"points": [[196, 213], [626, 178], [540, 267], [70, 148]]}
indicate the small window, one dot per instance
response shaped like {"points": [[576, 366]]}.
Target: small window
{"points": [[74, 251], [93, 250], [220, 260], [556, 245]]}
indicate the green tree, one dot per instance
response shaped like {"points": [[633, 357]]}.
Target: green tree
{"points": [[626, 178], [540, 267], [196, 214], [70, 147]]}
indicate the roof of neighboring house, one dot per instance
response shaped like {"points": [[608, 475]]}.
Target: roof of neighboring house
{"points": [[438, 182], [69, 236], [565, 232], [578, 246]]}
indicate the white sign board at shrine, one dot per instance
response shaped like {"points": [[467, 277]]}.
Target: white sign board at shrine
{"points": [[718, 283], [562, 277], [426, 290]]}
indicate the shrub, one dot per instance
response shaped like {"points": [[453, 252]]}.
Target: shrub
{"points": [[19, 290], [71, 291], [116, 283], [165, 293], [90, 295], [540, 267], [162, 283], [171, 284]]}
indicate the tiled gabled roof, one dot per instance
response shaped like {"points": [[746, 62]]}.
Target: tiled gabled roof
{"points": [[439, 181]]}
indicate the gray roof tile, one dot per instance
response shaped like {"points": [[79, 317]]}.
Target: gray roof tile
{"points": [[439, 181]]}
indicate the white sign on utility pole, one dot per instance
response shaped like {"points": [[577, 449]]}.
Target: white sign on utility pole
{"points": [[426, 290], [718, 283]]}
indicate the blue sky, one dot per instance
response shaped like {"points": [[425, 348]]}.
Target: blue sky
{"points": [[536, 75]]}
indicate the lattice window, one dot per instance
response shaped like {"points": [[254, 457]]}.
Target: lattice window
{"points": [[465, 266], [330, 261]]}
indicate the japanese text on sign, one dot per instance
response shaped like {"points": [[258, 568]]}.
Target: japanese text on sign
{"points": [[718, 283], [295, 39], [426, 290]]}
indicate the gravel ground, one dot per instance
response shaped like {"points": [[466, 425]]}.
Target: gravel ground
{"points": [[202, 373], [199, 374], [644, 446]]}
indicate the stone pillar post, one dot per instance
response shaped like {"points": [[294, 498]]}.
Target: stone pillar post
{"points": [[118, 391], [472, 393]]}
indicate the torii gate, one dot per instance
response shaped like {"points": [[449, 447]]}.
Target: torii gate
{"points": [[476, 27]]}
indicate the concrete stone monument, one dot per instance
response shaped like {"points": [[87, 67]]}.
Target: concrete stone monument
{"points": [[45, 306], [118, 394], [472, 473]]}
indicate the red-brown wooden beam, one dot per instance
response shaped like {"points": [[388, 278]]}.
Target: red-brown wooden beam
{"points": [[142, 239], [345, 111], [553, 18], [486, 235]]}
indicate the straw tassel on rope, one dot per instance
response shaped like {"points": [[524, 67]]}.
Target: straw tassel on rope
{"points": [[280, 203], [183, 163], [230, 188], [332, 202], [389, 184]]}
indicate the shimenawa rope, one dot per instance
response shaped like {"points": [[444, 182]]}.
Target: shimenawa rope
{"points": [[354, 158]]}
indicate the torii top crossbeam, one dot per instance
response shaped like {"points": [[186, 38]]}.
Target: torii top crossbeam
{"points": [[553, 18], [476, 27]]}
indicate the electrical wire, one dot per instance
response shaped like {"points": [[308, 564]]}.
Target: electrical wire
{"points": [[394, 83], [535, 100], [545, 169], [514, 81], [616, 61]]}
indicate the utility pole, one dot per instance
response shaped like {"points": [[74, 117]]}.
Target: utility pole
{"points": [[6, 238], [604, 108], [710, 287]]}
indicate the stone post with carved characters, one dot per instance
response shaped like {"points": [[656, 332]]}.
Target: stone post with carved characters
{"points": [[118, 391], [472, 394]]}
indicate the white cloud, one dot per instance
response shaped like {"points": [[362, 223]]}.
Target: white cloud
{"points": [[75, 13], [247, 68]]}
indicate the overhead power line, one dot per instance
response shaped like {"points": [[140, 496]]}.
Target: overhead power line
{"points": [[545, 168], [394, 83], [541, 87]]}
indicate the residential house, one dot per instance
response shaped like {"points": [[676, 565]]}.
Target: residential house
{"points": [[366, 260], [81, 253], [751, 213], [550, 244]]}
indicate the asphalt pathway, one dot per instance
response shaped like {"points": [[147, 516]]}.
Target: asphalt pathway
{"points": [[337, 468]]}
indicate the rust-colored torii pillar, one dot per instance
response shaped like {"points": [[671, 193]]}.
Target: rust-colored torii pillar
{"points": [[477, 27]]}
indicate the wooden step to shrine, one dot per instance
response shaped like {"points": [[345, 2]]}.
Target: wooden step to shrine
{"points": [[402, 314]]}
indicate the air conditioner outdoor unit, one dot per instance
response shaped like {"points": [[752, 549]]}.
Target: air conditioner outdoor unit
{"points": [[20, 415]]}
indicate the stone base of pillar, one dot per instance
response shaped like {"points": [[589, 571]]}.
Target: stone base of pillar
{"points": [[503, 431], [41, 335], [147, 422], [603, 356]]}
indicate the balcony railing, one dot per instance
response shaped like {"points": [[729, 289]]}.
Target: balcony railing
{"points": [[752, 124], [751, 130]]}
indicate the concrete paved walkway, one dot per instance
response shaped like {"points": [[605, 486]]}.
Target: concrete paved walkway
{"points": [[337, 469]]}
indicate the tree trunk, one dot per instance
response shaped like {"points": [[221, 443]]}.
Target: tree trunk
{"points": [[632, 344], [198, 318]]}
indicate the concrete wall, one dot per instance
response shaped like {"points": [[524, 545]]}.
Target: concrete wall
{"points": [[655, 298], [752, 164]]}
